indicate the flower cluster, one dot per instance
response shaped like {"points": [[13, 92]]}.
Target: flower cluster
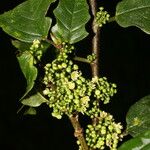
{"points": [[36, 51], [102, 17], [102, 93], [104, 132], [91, 58], [68, 91], [65, 87], [103, 89]]}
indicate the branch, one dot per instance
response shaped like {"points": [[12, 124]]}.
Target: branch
{"points": [[95, 40], [81, 59], [95, 72], [95, 44], [78, 131]]}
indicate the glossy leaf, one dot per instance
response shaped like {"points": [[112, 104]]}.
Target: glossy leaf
{"points": [[34, 100], [134, 13], [28, 69], [27, 21], [23, 46], [140, 142], [138, 117], [71, 17], [30, 111]]}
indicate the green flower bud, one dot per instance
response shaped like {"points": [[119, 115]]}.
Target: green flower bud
{"points": [[110, 127], [70, 63], [79, 82], [35, 44], [64, 65], [59, 66], [103, 130], [46, 91], [57, 115], [68, 69], [75, 67], [54, 66], [70, 96], [97, 92]]}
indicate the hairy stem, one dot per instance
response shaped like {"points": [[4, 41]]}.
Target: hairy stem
{"points": [[78, 131], [95, 40]]}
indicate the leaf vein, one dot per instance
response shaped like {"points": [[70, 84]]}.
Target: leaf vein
{"points": [[133, 9]]}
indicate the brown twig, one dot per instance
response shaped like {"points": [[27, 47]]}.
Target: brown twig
{"points": [[95, 72], [95, 44], [95, 40], [78, 131]]}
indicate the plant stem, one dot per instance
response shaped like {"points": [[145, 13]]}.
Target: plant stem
{"points": [[81, 59], [111, 19], [78, 131], [95, 40], [95, 44], [95, 72]]}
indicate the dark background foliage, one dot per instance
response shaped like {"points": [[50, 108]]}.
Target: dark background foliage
{"points": [[124, 59]]}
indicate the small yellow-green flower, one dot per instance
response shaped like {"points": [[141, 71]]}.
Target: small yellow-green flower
{"points": [[85, 100], [75, 75], [71, 85]]}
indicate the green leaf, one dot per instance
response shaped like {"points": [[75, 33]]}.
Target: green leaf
{"points": [[34, 100], [138, 117], [141, 142], [30, 111], [27, 21], [71, 17], [23, 46], [28, 69], [134, 13]]}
